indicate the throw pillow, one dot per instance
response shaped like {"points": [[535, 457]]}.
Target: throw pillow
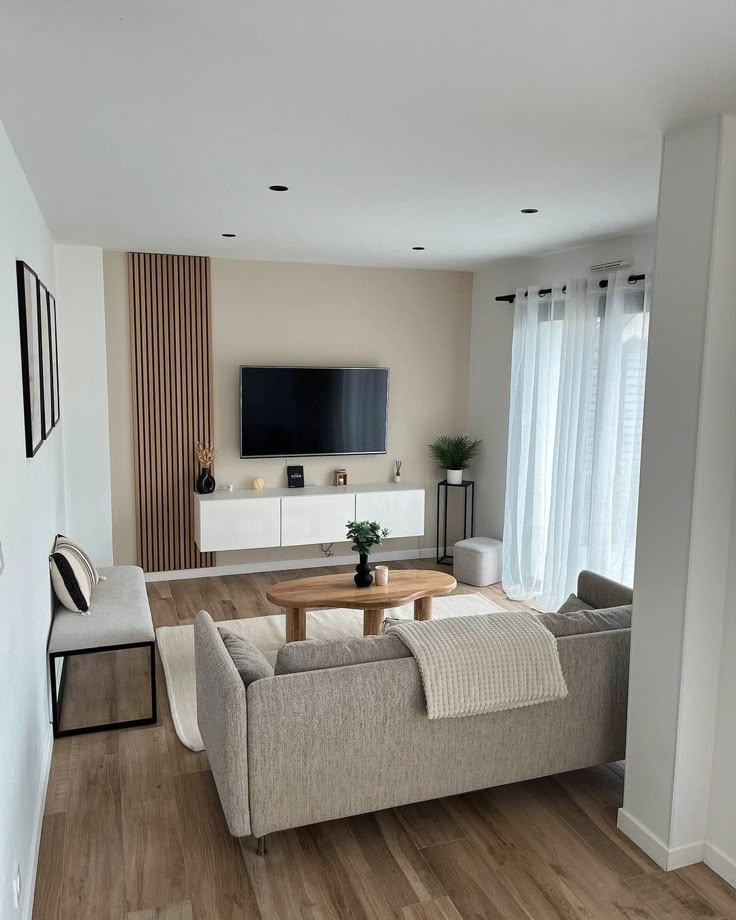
{"points": [[73, 575], [580, 622], [247, 658], [572, 604], [317, 654]]}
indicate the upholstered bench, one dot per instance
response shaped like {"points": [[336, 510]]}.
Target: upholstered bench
{"points": [[119, 619]]}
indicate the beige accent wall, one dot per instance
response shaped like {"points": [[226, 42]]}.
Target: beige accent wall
{"points": [[415, 322]]}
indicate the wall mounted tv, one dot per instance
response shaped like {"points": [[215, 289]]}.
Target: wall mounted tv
{"points": [[312, 411]]}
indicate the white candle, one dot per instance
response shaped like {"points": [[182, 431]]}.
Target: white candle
{"points": [[381, 574]]}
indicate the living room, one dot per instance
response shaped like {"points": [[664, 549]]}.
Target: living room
{"points": [[350, 363]]}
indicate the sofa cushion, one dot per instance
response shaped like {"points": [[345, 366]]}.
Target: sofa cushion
{"points": [[572, 604], [317, 654], [73, 575], [600, 593], [586, 621], [250, 661]]}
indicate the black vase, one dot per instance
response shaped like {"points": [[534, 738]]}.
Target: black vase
{"points": [[363, 576], [205, 481]]}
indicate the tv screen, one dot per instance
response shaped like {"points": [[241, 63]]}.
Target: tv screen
{"points": [[312, 411]]}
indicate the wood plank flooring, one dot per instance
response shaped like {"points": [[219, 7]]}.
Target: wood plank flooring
{"points": [[133, 828]]}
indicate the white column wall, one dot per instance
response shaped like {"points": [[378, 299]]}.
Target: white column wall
{"points": [[81, 298], [687, 476], [720, 848]]}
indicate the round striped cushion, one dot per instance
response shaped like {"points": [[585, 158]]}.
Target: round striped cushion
{"points": [[72, 574]]}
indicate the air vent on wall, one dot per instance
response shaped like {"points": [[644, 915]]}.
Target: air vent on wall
{"points": [[611, 266]]}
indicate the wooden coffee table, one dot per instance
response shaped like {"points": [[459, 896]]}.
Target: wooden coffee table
{"points": [[301, 594]]}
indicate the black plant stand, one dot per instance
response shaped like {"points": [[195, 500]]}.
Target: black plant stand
{"points": [[468, 485]]}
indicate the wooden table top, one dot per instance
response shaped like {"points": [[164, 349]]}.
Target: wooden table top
{"points": [[340, 591]]}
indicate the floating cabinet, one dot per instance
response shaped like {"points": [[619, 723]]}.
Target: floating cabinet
{"points": [[316, 514]]}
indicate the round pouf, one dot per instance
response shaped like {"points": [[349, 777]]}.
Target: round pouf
{"points": [[477, 561]]}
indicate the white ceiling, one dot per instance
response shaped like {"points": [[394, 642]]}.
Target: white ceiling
{"points": [[158, 124]]}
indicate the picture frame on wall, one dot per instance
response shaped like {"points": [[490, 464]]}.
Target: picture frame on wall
{"points": [[55, 393], [47, 364], [30, 344]]}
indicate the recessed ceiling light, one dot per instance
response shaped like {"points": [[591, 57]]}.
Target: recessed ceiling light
{"points": [[279, 188], [228, 236], [417, 248], [530, 210]]}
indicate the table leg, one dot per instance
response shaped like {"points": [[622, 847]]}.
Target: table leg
{"points": [[296, 624], [423, 608], [372, 620]]}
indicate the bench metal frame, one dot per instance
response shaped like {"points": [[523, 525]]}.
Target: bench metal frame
{"points": [[57, 697]]}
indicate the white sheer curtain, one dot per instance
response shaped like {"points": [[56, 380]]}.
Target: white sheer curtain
{"points": [[577, 397]]}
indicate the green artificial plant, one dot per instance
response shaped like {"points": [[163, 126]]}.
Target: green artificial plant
{"points": [[454, 452], [365, 535]]}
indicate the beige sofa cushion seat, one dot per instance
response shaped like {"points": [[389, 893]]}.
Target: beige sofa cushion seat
{"points": [[119, 614], [316, 654], [250, 661], [579, 622], [572, 604]]}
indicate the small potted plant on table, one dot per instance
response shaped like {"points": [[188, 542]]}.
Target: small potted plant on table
{"points": [[365, 535], [453, 454]]}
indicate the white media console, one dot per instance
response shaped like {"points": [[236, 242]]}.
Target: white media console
{"points": [[247, 519]]}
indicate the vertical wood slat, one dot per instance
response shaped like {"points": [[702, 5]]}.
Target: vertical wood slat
{"points": [[171, 370]]}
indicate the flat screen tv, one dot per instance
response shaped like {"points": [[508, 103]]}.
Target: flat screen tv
{"points": [[312, 411]]}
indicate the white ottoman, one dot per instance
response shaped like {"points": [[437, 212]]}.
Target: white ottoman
{"points": [[478, 561]]}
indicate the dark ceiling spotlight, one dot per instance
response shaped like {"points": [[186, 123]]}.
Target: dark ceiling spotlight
{"points": [[530, 210], [228, 236], [417, 248], [279, 188]]}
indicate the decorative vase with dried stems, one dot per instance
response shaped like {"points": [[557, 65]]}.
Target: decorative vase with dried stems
{"points": [[206, 456], [365, 535]]}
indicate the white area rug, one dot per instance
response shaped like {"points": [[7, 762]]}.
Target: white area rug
{"points": [[176, 647]]}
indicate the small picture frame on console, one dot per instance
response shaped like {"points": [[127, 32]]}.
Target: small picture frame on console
{"points": [[295, 477], [341, 477]]}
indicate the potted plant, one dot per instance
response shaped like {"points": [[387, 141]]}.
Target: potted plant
{"points": [[365, 535], [453, 454]]}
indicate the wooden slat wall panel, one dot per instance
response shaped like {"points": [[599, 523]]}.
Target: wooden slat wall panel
{"points": [[171, 361]]}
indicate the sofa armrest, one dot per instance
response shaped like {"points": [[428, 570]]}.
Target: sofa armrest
{"points": [[223, 722], [601, 592]]}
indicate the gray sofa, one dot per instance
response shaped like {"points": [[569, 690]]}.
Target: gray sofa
{"points": [[310, 746]]}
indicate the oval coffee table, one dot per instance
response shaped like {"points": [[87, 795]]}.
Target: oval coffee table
{"points": [[301, 594]]}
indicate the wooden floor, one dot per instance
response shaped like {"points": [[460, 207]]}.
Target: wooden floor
{"points": [[133, 828]]}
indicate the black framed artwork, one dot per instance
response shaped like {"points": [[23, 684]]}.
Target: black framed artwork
{"points": [[30, 344], [47, 365], [55, 395]]}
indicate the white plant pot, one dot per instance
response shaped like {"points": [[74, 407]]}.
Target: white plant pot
{"points": [[454, 477]]}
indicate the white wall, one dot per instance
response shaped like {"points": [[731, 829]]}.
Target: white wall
{"points": [[720, 850], [416, 323], [686, 495], [490, 357], [32, 510], [80, 295]]}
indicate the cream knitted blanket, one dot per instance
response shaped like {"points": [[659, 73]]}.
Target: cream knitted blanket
{"points": [[484, 663]]}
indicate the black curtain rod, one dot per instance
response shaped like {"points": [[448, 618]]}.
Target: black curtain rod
{"points": [[510, 298]]}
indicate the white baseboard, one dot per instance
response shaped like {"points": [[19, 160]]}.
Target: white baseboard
{"points": [[284, 565], [720, 863], [666, 857], [29, 881]]}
